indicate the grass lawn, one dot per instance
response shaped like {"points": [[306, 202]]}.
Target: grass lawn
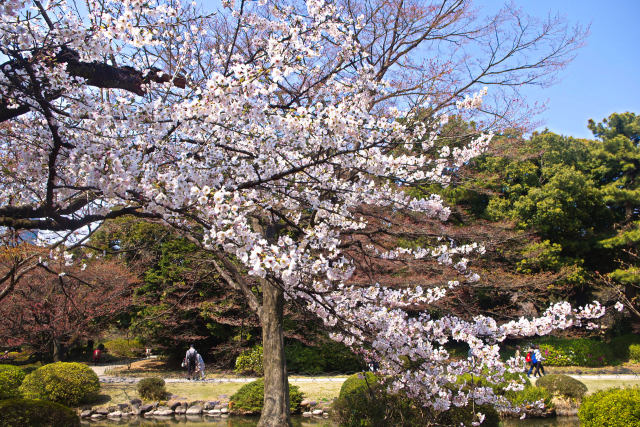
{"points": [[321, 391]]}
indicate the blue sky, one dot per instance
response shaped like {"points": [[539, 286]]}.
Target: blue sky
{"points": [[605, 76]]}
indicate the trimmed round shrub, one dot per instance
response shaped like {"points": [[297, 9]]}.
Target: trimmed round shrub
{"points": [[250, 362], [612, 408], [37, 413], [62, 382], [634, 352], [250, 398], [152, 388], [122, 347], [10, 379], [563, 385], [364, 401], [531, 395]]}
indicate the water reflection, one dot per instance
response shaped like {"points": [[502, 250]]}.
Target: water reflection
{"points": [[198, 421]]}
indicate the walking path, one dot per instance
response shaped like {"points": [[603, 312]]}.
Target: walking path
{"points": [[133, 380]]}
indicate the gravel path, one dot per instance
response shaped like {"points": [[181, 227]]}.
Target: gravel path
{"points": [[133, 380]]}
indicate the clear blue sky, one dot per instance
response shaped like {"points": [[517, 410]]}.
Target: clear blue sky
{"points": [[605, 76]]}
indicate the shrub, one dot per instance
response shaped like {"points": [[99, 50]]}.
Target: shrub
{"points": [[364, 401], [38, 413], [122, 347], [620, 345], [575, 352], [531, 395], [338, 358], [634, 352], [250, 361], [611, 408], [152, 388], [563, 385], [250, 398], [10, 379], [69, 383]]}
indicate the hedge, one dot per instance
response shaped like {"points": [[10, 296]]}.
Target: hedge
{"points": [[575, 352], [36, 413], [62, 382], [250, 398], [611, 408], [10, 379]]}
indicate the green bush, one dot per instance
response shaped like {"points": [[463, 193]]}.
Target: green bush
{"points": [[620, 345], [10, 379], [122, 347], [250, 361], [611, 408], [364, 401], [36, 413], [575, 352], [68, 383], [338, 358], [152, 388], [304, 360], [531, 395], [250, 398], [562, 385], [634, 352]]}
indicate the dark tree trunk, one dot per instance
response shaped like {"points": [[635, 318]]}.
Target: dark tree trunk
{"points": [[276, 384], [58, 351]]}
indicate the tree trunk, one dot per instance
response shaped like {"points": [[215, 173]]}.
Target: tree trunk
{"points": [[275, 412], [57, 351]]}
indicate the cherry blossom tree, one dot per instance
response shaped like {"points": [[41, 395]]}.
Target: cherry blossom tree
{"points": [[260, 131]]}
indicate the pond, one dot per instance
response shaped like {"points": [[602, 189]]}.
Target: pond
{"points": [[197, 421]]}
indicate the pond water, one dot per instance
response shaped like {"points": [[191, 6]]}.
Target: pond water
{"points": [[197, 421]]}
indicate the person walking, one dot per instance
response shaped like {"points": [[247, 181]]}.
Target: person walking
{"points": [[539, 360], [191, 359], [200, 371], [532, 360]]}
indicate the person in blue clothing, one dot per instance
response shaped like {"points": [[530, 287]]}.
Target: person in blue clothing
{"points": [[534, 361]]}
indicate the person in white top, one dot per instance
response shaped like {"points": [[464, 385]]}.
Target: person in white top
{"points": [[191, 360], [539, 359], [200, 368]]}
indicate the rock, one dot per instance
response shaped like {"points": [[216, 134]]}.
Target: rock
{"points": [[211, 405], [181, 410], [305, 402], [224, 410], [123, 406], [135, 410], [194, 410], [97, 416], [137, 402], [112, 408], [313, 403], [214, 412], [165, 412], [317, 412], [114, 414], [86, 413], [306, 414], [173, 404], [102, 411], [146, 408], [127, 414]]}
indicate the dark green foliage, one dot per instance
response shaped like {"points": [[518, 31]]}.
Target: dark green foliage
{"points": [[338, 358], [250, 362], [68, 383], [123, 347], [611, 408], [575, 352], [562, 385], [36, 413], [152, 388], [620, 345], [250, 398], [304, 360], [10, 379], [364, 401]]}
